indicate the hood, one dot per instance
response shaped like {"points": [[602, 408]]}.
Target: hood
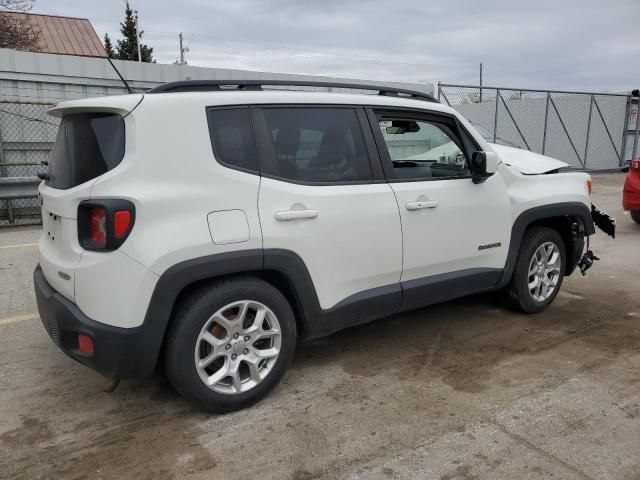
{"points": [[529, 163]]}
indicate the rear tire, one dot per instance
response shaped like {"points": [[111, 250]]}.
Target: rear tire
{"points": [[538, 272], [635, 215], [230, 343]]}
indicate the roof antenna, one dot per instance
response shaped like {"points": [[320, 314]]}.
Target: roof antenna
{"points": [[121, 77]]}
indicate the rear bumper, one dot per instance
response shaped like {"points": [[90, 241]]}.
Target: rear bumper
{"points": [[118, 352]]}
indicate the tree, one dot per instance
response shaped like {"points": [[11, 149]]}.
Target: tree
{"points": [[127, 48], [16, 31], [108, 46]]}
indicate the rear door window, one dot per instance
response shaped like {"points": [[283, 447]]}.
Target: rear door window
{"points": [[315, 145], [87, 145]]}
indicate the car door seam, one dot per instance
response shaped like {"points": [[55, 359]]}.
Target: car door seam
{"points": [[401, 234]]}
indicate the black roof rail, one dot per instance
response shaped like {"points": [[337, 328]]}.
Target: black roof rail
{"points": [[208, 85]]}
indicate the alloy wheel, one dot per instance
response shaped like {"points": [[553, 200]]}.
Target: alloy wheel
{"points": [[238, 347], [544, 271]]}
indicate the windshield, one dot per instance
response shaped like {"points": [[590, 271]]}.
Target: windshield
{"points": [[488, 136], [483, 131]]}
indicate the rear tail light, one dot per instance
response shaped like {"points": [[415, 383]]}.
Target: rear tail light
{"points": [[98, 219], [104, 225], [589, 185], [121, 222]]}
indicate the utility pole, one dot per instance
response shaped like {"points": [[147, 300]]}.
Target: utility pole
{"points": [[138, 37], [480, 82], [182, 50]]}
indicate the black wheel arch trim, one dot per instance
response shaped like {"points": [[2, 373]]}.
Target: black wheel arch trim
{"points": [[528, 217], [313, 322], [135, 352]]}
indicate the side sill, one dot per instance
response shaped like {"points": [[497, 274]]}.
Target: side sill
{"points": [[440, 288]]}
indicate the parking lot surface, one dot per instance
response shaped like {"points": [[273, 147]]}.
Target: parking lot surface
{"points": [[462, 390]]}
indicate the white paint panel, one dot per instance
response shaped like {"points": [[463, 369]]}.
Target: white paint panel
{"points": [[353, 244], [59, 252], [174, 182], [112, 288], [446, 238]]}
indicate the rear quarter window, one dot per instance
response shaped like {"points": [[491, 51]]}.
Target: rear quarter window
{"points": [[232, 138], [87, 146]]}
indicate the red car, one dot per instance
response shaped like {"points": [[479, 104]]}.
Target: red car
{"points": [[631, 191]]}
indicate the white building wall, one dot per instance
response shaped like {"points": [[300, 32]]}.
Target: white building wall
{"points": [[51, 78]]}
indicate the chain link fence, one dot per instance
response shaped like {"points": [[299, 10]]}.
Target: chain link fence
{"points": [[592, 131], [27, 135]]}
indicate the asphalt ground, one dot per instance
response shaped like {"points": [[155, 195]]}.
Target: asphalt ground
{"points": [[462, 390]]}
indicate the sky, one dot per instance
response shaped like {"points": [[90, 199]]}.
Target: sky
{"points": [[589, 45]]}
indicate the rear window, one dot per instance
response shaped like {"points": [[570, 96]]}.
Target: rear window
{"points": [[87, 145]]}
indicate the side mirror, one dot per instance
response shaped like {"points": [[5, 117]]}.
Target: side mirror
{"points": [[483, 165]]}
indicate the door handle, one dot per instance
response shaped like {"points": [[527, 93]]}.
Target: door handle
{"points": [[411, 206], [287, 215]]}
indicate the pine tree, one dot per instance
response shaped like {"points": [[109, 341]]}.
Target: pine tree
{"points": [[127, 48], [108, 47]]}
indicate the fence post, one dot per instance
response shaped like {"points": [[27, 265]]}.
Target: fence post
{"points": [[586, 142], [495, 117], [3, 173], [439, 87], [635, 138], [546, 120], [625, 132]]}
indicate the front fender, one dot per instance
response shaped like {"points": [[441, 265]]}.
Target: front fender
{"points": [[566, 210]]}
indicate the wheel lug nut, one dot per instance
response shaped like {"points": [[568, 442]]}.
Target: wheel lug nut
{"points": [[235, 335], [246, 339], [227, 346], [234, 356], [245, 351]]}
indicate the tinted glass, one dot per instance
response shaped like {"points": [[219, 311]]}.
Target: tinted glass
{"points": [[317, 145], [87, 145], [421, 149], [232, 138]]}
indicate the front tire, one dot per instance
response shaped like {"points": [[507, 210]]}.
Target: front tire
{"points": [[635, 215], [539, 271], [230, 343]]}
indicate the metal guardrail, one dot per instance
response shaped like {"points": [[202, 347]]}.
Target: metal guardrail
{"points": [[14, 188], [27, 135]]}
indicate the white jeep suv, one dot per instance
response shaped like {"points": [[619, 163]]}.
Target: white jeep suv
{"points": [[206, 228]]}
